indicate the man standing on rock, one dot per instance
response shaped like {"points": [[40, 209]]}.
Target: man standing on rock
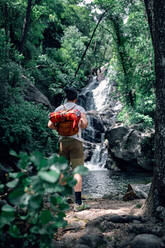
{"points": [[71, 147]]}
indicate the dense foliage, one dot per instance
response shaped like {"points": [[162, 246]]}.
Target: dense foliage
{"points": [[33, 202], [43, 41], [41, 44], [132, 59]]}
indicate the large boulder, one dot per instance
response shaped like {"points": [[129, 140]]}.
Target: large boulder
{"points": [[32, 94], [130, 148], [146, 240], [137, 191]]}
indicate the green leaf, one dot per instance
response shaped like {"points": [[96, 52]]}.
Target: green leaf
{"points": [[19, 197], [13, 183], [13, 153], [45, 216], [71, 181], [60, 163], [53, 200], [38, 160], [6, 218], [58, 188], [24, 160], [52, 188], [35, 229], [60, 223], [61, 214], [59, 199], [14, 231], [8, 208], [52, 159], [43, 231], [50, 176], [35, 202], [34, 219], [1, 186], [23, 217], [16, 174], [63, 163], [64, 206], [37, 185], [80, 170], [54, 168]]}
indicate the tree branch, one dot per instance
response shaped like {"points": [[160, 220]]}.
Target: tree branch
{"points": [[88, 45]]}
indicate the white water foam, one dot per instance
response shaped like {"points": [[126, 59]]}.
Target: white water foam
{"points": [[98, 159], [100, 94]]}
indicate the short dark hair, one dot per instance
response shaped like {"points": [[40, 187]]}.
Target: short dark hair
{"points": [[71, 93]]}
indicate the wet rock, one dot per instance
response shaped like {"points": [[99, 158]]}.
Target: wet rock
{"points": [[107, 225], [108, 222], [160, 211], [146, 241], [59, 244], [81, 246], [137, 192], [94, 130], [88, 150], [130, 148], [92, 240], [130, 194], [163, 241], [123, 218]]}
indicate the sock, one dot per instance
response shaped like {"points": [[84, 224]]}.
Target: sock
{"points": [[78, 198]]}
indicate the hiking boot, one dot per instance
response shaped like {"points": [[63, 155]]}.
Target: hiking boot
{"points": [[81, 207]]}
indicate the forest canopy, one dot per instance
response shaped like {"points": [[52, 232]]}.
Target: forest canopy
{"points": [[46, 45]]}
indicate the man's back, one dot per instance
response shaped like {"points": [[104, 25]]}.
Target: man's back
{"points": [[70, 106]]}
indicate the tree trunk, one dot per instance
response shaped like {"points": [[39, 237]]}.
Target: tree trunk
{"points": [[157, 192], [122, 57], [25, 26], [150, 14]]}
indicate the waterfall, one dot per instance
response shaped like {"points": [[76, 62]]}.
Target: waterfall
{"points": [[95, 98], [98, 159], [100, 94]]}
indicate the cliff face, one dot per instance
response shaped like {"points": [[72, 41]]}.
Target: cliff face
{"points": [[32, 94]]}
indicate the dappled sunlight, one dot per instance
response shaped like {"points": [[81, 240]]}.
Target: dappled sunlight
{"points": [[102, 207]]}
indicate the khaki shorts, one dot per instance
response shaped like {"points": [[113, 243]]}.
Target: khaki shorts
{"points": [[72, 150]]}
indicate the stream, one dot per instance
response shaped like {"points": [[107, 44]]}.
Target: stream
{"points": [[101, 183]]}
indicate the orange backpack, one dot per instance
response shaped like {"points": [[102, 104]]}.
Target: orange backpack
{"points": [[66, 120]]}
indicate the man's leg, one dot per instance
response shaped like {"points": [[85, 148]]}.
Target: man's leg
{"points": [[77, 158], [78, 189], [63, 151]]}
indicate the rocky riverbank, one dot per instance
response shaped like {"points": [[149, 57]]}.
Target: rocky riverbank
{"points": [[111, 224]]}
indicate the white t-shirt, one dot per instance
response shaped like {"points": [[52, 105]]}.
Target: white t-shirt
{"points": [[67, 106]]}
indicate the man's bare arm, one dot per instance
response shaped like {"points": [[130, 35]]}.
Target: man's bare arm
{"points": [[51, 125], [83, 121]]}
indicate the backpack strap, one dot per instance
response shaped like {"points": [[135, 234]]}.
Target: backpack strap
{"points": [[68, 109]]}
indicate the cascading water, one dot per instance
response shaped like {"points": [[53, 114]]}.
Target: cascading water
{"points": [[98, 159], [100, 94], [95, 98]]}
